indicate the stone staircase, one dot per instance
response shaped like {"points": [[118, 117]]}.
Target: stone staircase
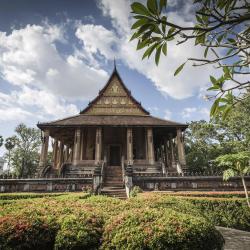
{"points": [[113, 185]]}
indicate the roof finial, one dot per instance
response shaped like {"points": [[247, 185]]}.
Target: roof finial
{"points": [[114, 64]]}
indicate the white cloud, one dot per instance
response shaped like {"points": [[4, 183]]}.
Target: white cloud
{"points": [[186, 84], [118, 10], [29, 56], [14, 114], [195, 113], [96, 38], [167, 114]]}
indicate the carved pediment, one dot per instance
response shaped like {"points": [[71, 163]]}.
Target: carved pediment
{"points": [[114, 99]]}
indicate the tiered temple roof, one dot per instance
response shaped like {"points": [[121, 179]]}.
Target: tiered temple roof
{"points": [[114, 106]]}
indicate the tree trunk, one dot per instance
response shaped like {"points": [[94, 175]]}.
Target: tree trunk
{"points": [[245, 189]]}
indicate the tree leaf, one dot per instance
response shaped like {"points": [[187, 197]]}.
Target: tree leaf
{"points": [[157, 55], [214, 107], [139, 23], [164, 49], [152, 6], [205, 52], [139, 8], [149, 51], [163, 4], [179, 69], [135, 35], [213, 80]]}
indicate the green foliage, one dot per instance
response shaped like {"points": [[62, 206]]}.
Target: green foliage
{"points": [[24, 155], [221, 28], [237, 164], [205, 141], [25, 232], [231, 213], [135, 191], [154, 229], [1, 141], [149, 221], [79, 232]]}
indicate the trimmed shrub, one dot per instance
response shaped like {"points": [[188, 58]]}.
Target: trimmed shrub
{"points": [[79, 232], [154, 229], [20, 232], [135, 191], [232, 213]]}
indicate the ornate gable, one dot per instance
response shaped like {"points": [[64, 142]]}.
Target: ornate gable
{"points": [[115, 99]]}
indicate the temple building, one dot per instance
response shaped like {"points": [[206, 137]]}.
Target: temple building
{"points": [[113, 132]]}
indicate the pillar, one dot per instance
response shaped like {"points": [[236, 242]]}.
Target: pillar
{"points": [[180, 148], [67, 153], [76, 150], [129, 146], [55, 152], [166, 153], [44, 149], [98, 146], [150, 146], [60, 155], [171, 147]]}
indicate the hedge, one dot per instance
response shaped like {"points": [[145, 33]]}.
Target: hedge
{"points": [[22, 232], [154, 229], [76, 221], [226, 212]]}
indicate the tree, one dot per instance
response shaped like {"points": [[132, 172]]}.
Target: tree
{"points": [[207, 140], [237, 165], [25, 155], [221, 27], [9, 145], [1, 141]]}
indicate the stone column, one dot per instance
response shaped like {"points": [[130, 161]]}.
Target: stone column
{"points": [[180, 148], [55, 152], [67, 153], [150, 146], [130, 146], [77, 142], [98, 146], [44, 149], [171, 147], [166, 155], [60, 155]]}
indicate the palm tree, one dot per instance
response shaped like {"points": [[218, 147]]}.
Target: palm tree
{"points": [[9, 145], [237, 165]]}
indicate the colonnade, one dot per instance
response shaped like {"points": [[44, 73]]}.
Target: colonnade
{"points": [[62, 153]]}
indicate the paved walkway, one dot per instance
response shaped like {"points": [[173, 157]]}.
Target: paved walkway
{"points": [[235, 239]]}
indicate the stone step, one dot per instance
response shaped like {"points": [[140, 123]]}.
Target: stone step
{"points": [[116, 192], [113, 178]]}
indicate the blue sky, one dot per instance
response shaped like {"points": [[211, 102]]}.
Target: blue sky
{"points": [[56, 55]]}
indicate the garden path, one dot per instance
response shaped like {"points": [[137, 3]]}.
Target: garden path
{"points": [[235, 239]]}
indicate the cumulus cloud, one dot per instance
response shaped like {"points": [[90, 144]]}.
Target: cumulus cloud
{"points": [[29, 56], [44, 78], [185, 84], [197, 112]]}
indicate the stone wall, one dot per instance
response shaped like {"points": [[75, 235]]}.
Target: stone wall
{"points": [[208, 183], [185, 183], [45, 185]]}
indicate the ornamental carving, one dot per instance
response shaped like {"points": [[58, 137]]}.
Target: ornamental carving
{"points": [[115, 101]]}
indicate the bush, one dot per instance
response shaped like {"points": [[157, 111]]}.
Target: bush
{"points": [[232, 213], [79, 232], [154, 229], [135, 191], [226, 212], [23, 232]]}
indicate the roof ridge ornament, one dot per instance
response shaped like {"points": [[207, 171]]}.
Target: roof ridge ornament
{"points": [[114, 64]]}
